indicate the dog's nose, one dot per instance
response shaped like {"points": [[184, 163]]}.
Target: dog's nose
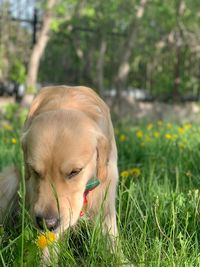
{"points": [[50, 223]]}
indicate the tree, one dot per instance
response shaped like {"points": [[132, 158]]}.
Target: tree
{"points": [[102, 44], [14, 46], [127, 49], [39, 47]]}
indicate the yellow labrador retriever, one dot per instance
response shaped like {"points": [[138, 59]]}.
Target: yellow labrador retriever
{"points": [[70, 158]]}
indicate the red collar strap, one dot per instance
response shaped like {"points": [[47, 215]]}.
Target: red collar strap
{"points": [[91, 185]]}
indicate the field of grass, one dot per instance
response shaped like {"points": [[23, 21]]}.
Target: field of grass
{"points": [[158, 203]]}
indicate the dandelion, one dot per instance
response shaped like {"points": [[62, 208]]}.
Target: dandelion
{"points": [[13, 141], [169, 125], [168, 136], [7, 127], [187, 126], [135, 172], [122, 138], [150, 126], [181, 130], [46, 239], [160, 123], [124, 174], [156, 134], [139, 134]]}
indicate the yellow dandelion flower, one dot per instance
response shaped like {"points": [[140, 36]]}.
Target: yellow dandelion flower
{"points": [[7, 127], [150, 126], [42, 241], [168, 136], [135, 172], [122, 138], [187, 126], [156, 134], [46, 239], [124, 174], [160, 123], [139, 134], [13, 141], [169, 125], [181, 130]]}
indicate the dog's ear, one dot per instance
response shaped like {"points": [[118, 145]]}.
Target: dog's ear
{"points": [[35, 105], [103, 153]]}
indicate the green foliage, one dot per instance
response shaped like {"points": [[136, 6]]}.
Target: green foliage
{"points": [[164, 58], [15, 115], [17, 72], [74, 48], [157, 205]]}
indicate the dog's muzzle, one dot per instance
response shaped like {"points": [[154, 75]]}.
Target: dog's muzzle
{"points": [[50, 223]]}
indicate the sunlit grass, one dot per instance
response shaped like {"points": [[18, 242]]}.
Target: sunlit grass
{"points": [[158, 203]]}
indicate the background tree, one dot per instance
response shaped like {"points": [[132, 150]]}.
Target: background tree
{"points": [[41, 42], [115, 44], [14, 46]]}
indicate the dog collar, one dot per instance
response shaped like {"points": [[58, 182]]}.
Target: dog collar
{"points": [[91, 185]]}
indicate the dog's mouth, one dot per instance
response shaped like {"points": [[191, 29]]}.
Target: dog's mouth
{"points": [[47, 223], [53, 224]]}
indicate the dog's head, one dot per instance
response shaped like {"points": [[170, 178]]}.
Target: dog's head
{"points": [[63, 150]]}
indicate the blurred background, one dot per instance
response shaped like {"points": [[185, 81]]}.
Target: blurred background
{"points": [[141, 56]]}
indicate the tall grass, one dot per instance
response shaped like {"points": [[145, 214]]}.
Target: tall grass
{"points": [[158, 204]]}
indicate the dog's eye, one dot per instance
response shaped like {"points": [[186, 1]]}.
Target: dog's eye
{"points": [[73, 173], [36, 173]]}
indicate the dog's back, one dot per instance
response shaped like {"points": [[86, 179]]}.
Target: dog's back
{"points": [[9, 184], [79, 98]]}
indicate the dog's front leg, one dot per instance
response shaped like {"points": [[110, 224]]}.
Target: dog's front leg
{"points": [[101, 201], [49, 257], [110, 226]]}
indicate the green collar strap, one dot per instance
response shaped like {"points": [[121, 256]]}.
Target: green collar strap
{"points": [[92, 183]]}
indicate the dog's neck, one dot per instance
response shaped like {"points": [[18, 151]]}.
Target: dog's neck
{"points": [[91, 185]]}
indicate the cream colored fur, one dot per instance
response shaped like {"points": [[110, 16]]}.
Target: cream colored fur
{"points": [[68, 128], [9, 184]]}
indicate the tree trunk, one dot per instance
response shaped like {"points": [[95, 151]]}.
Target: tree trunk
{"points": [[124, 66], [40, 46], [180, 8], [176, 93], [100, 67]]}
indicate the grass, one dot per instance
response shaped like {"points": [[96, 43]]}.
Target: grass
{"points": [[158, 203]]}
